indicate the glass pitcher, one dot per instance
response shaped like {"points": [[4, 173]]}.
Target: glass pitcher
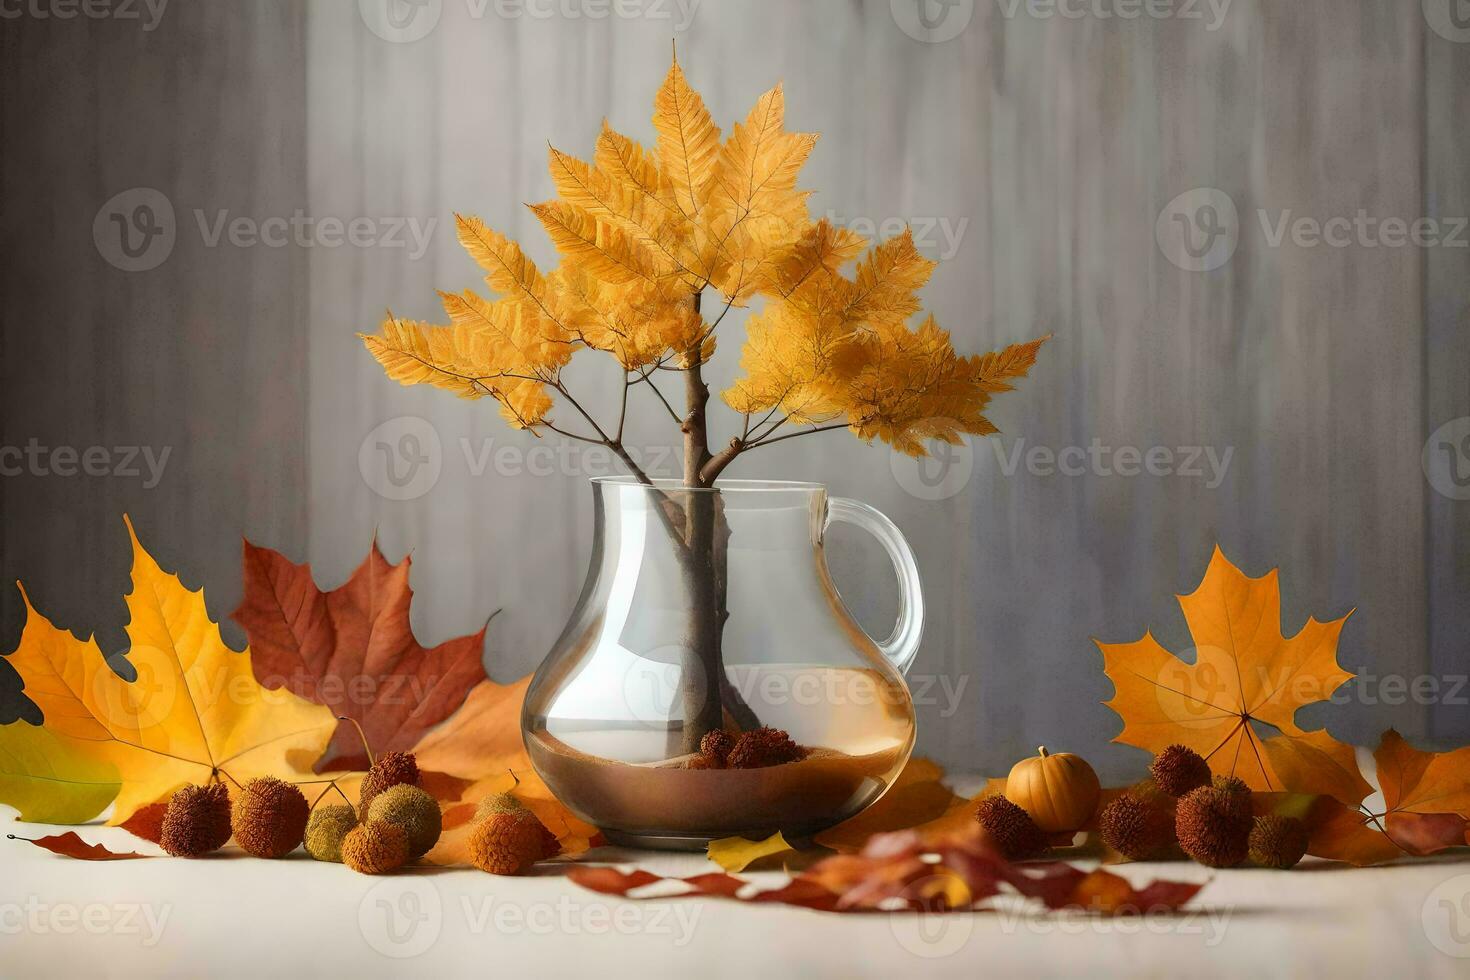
{"points": [[712, 609]]}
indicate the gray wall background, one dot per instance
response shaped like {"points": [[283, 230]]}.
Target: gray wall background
{"points": [[1038, 150]]}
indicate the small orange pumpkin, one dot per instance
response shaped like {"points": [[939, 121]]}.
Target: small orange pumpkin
{"points": [[1060, 791]]}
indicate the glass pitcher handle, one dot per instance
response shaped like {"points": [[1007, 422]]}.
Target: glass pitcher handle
{"points": [[903, 643]]}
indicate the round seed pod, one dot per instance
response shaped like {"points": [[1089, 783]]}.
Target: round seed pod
{"points": [[196, 821], [1277, 841], [269, 817], [1213, 824], [393, 769], [762, 747], [715, 748], [1179, 769], [375, 848], [506, 803], [1139, 829], [1011, 828], [415, 811], [326, 829], [504, 844]]}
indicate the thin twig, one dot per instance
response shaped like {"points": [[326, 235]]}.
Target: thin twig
{"points": [[792, 435], [623, 408], [643, 377]]}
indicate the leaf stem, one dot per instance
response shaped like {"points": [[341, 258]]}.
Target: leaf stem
{"points": [[362, 735]]}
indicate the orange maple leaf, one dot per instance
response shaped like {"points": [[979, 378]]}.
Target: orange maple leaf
{"points": [[1426, 802], [1244, 671]]}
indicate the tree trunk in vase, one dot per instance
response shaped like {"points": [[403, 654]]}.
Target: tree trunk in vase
{"points": [[703, 669]]}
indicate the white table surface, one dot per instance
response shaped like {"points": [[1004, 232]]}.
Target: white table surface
{"points": [[236, 916]]}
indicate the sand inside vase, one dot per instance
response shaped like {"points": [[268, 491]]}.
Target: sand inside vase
{"points": [[662, 798]]}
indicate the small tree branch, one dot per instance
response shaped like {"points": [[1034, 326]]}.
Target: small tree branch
{"points": [[571, 435], [710, 471], [767, 441], [644, 377], [623, 408]]}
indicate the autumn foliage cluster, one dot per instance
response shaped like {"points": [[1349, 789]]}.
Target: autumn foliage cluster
{"points": [[642, 235]]}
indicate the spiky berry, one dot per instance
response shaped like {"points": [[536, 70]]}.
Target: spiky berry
{"points": [[1011, 828], [1213, 824], [504, 844], [1138, 828], [715, 748], [415, 811], [762, 747], [375, 848], [269, 817], [326, 829], [508, 804], [196, 821], [393, 769], [1179, 769], [1277, 841]]}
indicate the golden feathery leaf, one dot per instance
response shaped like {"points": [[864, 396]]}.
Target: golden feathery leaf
{"points": [[412, 353], [603, 248], [511, 336], [755, 176], [688, 141]]}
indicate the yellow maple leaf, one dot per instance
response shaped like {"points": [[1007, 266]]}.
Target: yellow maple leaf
{"points": [[194, 710], [1244, 671], [735, 854]]}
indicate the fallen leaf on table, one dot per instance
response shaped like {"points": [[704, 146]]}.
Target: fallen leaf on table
{"points": [[49, 780], [72, 846], [902, 871], [194, 710], [353, 650], [738, 853], [1245, 670], [1426, 800], [918, 796]]}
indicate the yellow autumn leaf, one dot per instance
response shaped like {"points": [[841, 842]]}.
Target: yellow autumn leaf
{"points": [[601, 246], [688, 141], [420, 353], [193, 711], [1245, 670], [735, 854]]}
